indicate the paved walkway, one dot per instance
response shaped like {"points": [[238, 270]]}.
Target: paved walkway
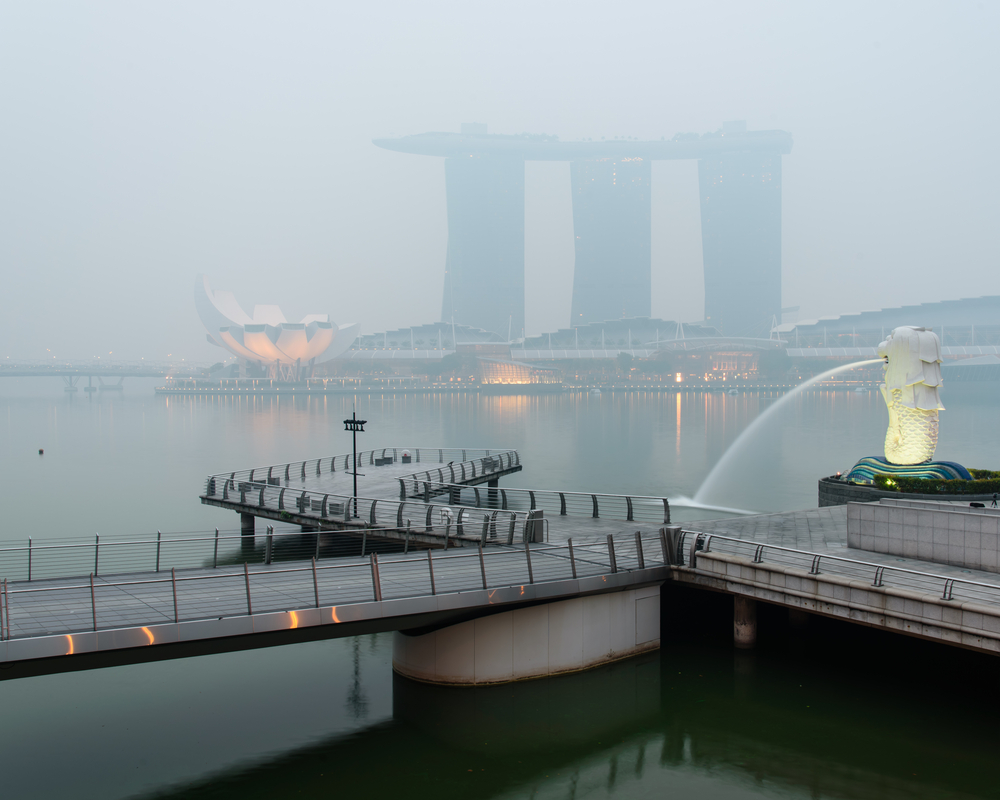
{"points": [[63, 606]]}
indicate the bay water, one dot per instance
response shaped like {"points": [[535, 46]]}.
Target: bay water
{"points": [[827, 711]]}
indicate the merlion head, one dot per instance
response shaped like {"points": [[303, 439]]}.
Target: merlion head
{"points": [[912, 380]]}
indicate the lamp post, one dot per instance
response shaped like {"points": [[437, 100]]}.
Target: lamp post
{"points": [[354, 425]]}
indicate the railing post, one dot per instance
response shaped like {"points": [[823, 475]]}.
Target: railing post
{"points": [[268, 544], [3, 616], [630, 517], [572, 558], [97, 550], [611, 553], [593, 497], [527, 555], [482, 564], [246, 578], [638, 550], [666, 511], [364, 541], [173, 586], [315, 583], [376, 583], [406, 539], [316, 553], [430, 567], [215, 556], [158, 537], [93, 601], [486, 527], [29, 558]]}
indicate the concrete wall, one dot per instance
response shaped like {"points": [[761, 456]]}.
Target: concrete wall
{"points": [[563, 636], [925, 615], [946, 534]]}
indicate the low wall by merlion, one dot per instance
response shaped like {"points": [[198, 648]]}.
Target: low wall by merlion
{"points": [[912, 380]]}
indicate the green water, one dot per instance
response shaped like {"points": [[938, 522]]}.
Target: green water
{"points": [[828, 711]]}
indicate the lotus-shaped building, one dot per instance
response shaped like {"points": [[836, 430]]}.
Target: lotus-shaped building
{"points": [[286, 350]]}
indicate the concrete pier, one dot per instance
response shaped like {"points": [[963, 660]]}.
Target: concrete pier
{"points": [[744, 621], [534, 642]]}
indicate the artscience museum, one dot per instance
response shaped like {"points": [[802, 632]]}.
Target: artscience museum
{"points": [[285, 350]]}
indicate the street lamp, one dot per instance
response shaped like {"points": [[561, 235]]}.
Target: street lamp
{"points": [[354, 425]]}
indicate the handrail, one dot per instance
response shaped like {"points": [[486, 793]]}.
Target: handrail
{"points": [[817, 560], [370, 455], [629, 508], [117, 557]]}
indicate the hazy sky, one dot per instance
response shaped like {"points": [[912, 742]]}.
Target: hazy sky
{"points": [[143, 143]]}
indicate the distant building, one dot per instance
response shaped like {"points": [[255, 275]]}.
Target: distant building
{"points": [[277, 348], [515, 373], [611, 228], [741, 240], [484, 267], [740, 185], [967, 327]]}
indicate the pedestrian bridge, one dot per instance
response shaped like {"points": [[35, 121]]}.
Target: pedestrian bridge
{"points": [[472, 615]]}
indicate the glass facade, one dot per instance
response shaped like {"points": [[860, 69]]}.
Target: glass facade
{"points": [[611, 230], [484, 268], [741, 241]]}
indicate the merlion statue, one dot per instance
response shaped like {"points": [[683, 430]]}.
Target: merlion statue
{"points": [[912, 379]]}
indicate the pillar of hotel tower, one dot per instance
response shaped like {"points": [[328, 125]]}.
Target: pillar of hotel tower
{"points": [[741, 241], [611, 228], [484, 267]]}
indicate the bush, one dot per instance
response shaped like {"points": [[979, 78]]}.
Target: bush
{"points": [[980, 485]]}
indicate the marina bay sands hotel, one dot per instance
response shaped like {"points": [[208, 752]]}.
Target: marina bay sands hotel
{"points": [[739, 178]]}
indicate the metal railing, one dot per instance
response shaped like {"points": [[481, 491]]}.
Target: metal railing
{"points": [[43, 560], [692, 543], [628, 508], [351, 511], [376, 512], [92, 603], [344, 462]]}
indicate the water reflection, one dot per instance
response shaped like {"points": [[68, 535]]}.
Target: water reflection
{"points": [[696, 719]]}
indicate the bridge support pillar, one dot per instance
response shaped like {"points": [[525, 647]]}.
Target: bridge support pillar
{"points": [[493, 492], [744, 621], [534, 642], [247, 524]]}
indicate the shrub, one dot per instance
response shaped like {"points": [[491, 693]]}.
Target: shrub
{"points": [[981, 484]]}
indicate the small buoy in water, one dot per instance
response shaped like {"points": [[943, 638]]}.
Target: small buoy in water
{"points": [[41, 452]]}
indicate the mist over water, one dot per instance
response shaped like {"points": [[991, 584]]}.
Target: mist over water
{"points": [[715, 482]]}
